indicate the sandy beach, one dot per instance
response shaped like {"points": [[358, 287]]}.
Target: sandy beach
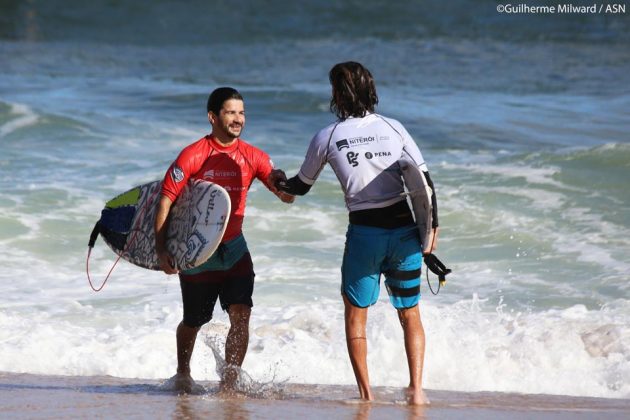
{"points": [[33, 396]]}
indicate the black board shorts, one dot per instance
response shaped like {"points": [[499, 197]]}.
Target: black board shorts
{"points": [[200, 291]]}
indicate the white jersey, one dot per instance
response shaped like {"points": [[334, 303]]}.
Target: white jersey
{"points": [[363, 153]]}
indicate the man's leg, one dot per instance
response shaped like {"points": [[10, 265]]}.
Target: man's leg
{"points": [[414, 347], [186, 337], [198, 298], [236, 343], [183, 381], [356, 339]]}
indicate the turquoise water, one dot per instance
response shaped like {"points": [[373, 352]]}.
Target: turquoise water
{"points": [[525, 132]]}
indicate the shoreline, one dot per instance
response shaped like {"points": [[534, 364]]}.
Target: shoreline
{"points": [[42, 396]]}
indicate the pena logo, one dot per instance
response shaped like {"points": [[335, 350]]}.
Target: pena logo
{"points": [[371, 155], [342, 144], [177, 174], [352, 158]]}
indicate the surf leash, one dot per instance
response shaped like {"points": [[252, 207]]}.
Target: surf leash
{"points": [[91, 243], [437, 267], [94, 235]]}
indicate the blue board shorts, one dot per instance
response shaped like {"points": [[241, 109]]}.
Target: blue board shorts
{"points": [[227, 275], [372, 251]]}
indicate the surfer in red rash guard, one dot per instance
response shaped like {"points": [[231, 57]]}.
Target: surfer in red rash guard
{"points": [[225, 159]]}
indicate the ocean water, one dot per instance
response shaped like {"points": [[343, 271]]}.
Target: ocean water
{"points": [[524, 122]]}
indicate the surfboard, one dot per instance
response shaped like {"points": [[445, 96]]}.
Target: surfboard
{"points": [[197, 222], [419, 193]]}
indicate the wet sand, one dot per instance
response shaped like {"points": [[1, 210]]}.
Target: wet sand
{"points": [[34, 396]]}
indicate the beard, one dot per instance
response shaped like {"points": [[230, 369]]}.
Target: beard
{"points": [[233, 131]]}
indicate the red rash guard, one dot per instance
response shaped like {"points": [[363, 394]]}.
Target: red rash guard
{"points": [[233, 167]]}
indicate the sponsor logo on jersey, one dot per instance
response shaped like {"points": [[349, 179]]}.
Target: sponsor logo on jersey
{"points": [[354, 142], [352, 158], [342, 144], [230, 188], [214, 173], [359, 141], [371, 155], [177, 174]]}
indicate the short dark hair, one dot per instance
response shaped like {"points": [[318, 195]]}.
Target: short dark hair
{"points": [[218, 97], [354, 92]]}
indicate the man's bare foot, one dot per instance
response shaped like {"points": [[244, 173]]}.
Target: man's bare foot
{"points": [[416, 397], [230, 378], [183, 383], [368, 397]]}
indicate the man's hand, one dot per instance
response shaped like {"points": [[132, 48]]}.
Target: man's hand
{"points": [[286, 198], [278, 175], [275, 176], [166, 263]]}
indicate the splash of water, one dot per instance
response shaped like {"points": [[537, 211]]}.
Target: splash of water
{"points": [[244, 384]]}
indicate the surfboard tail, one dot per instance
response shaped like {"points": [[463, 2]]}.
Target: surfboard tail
{"points": [[94, 234]]}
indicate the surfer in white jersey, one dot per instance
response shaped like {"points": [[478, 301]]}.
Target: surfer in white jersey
{"points": [[364, 148]]}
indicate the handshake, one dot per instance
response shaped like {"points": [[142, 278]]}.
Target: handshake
{"points": [[277, 183]]}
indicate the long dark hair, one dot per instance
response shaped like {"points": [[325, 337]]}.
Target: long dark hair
{"points": [[354, 92]]}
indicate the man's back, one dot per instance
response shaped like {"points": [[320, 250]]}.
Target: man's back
{"points": [[363, 153]]}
